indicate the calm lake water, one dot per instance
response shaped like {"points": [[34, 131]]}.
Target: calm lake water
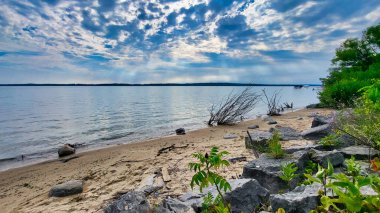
{"points": [[35, 121]]}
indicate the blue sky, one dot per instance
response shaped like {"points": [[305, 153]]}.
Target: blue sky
{"points": [[171, 41]]}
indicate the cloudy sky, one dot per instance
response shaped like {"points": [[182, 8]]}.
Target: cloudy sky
{"points": [[161, 41]]}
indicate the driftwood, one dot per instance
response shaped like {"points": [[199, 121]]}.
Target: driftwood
{"points": [[237, 159], [254, 151], [170, 148], [165, 174]]}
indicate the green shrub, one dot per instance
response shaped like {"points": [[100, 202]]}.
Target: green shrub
{"points": [[206, 174], [288, 172], [331, 140], [275, 149]]}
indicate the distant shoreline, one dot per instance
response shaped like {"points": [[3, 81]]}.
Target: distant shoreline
{"points": [[174, 84]]}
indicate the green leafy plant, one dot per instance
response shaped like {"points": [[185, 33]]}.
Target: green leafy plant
{"points": [[275, 148], [330, 141], [206, 174], [321, 176], [347, 188], [288, 172]]}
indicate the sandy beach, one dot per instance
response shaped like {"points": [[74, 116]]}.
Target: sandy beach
{"points": [[114, 170]]}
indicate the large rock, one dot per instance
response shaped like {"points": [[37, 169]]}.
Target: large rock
{"points": [[246, 195], [65, 150], [286, 133], [322, 157], [131, 202], [267, 170], [171, 205], [68, 188], [319, 120], [150, 184], [259, 140], [301, 200], [318, 132], [359, 152], [294, 149]]}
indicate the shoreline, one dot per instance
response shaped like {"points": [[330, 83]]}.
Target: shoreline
{"points": [[112, 170], [53, 156]]}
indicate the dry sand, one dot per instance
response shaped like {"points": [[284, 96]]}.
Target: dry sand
{"points": [[117, 169]]}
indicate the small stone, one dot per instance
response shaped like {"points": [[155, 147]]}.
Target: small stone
{"points": [[230, 136], [180, 131], [253, 127], [68, 188]]}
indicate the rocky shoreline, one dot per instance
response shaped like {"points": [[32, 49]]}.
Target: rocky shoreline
{"points": [[110, 179]]}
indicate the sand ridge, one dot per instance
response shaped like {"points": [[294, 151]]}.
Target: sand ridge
{"points": [[114, 170]]}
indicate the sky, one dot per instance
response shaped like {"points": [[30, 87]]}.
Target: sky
{"points": [[171, 41]]}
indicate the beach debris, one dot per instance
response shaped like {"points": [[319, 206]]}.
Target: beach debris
{"points": [[301, 199], [230, 136], [267, 170], [180, 131], [237, 159], [318, 132], [322, 157], [253, 127], [245, 196], [170, 148], [172, 205], [131, 202], [286, 133], [65, 150], [165, 174], [68, 188], [269, 120]]}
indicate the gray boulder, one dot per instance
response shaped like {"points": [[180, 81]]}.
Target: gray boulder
{"points": [[65, 150], [359, 152], [287, 133], [320, 120], [267, 170], [322, 157], [171, 205], [246, 195], [270, 120], [294, 149], [131, 202], [68, 188], [318, 132], [180, 131], [301, 200], [259, 140]]}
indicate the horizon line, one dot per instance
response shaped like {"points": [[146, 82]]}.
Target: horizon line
{"points": [[163, 84]]}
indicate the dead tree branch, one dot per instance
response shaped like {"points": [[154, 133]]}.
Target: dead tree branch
{"points": [[273, 103], [233, 108]]}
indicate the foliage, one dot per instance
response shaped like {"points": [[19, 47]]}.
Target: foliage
{"points": [[310, 168], [280, 210], [275, 148], [346, 186], [363, 122], [375, 164], [321, 176], [288, 172], [205, 175], [211, 205], [233, 108], [273, 103], [330, 141], [355, 65]]}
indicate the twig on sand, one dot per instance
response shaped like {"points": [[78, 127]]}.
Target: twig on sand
{"points": [[170, 148]]}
